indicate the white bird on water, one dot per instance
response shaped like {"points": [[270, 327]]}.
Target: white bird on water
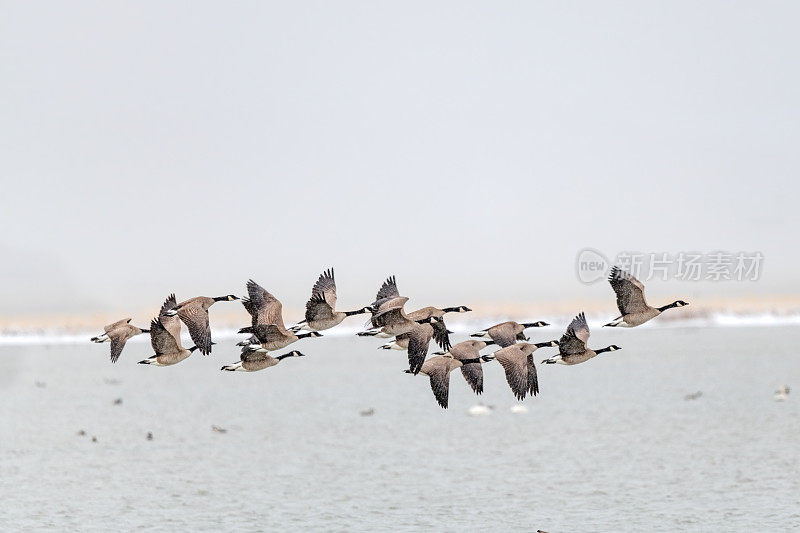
{"points": [[782, 393], [480, 409]]}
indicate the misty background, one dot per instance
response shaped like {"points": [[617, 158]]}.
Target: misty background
{"points": [[470, 148]]}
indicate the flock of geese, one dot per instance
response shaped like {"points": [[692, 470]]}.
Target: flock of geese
{"points": [[412, 333]]}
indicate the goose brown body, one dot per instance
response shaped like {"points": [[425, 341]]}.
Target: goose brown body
{"points": [[633, 307], [266, 314], [507, 333], [194, 313], [321, 311], [118, 333], [572, 346]]}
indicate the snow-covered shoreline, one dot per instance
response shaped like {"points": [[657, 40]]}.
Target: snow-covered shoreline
{"points": [[56, 336]]}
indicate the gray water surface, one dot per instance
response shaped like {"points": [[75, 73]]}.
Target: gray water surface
{"points": [[608, 445]]}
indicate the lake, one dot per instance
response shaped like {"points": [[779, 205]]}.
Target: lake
{"points": [[608, 445]]}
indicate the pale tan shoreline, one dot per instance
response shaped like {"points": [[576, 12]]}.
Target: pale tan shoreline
{"points": [[234, 317]]}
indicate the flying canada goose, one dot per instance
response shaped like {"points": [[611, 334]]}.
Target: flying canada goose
{"points": [[438, 370], [118, 334], [389, 319], [267, 327], [171, 323], [572, 346], [270, 337], [251, 340], [419, 339], [401, 342], [168, 349], [631, 302], [393, 325], [255, 361], [429, 311], [194, 313], [320, 308], [387, 300], [517, 361], [508, 333], [465, 351]]}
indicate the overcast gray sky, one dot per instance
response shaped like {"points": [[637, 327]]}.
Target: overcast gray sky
{"points": [[470, 148]]}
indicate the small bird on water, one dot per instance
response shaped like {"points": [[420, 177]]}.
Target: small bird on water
{"points": [[782, 393], [480, 409]]}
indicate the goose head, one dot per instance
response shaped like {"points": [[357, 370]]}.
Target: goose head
{"points": [[676, 303]]}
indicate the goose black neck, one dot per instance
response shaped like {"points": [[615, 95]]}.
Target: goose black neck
{"points": [[601, 350], [452, 309], [668, 306], [527, 325], [192, 349], [284, 356], [356, 312], [145, 330], [467, 361]]}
